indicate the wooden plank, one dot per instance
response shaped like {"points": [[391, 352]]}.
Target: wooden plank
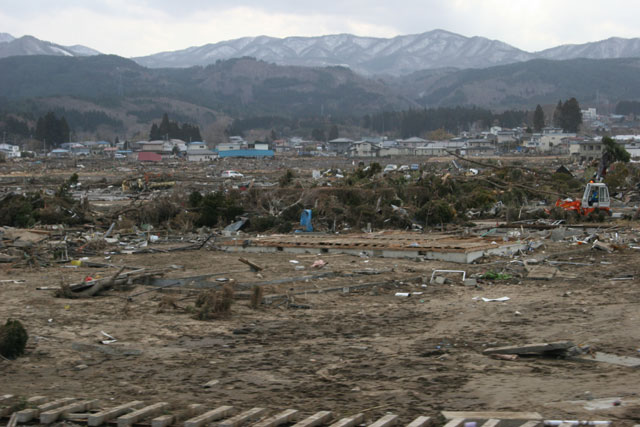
{"points": [[37, 400], [629, 362], [140, 414], [162, 421], [109, 414], [455, 422], [477, 415], [244, 417], [207, 417], [79, 416], [386, 421], [55, 404], [536, 348], [349, 421], [530, 424], [421, 421], [194, 409], [5, 397], [280, 418], [13, 420], [26, 415], [566, 424], [491, 423], [316, 419], [52, 415]]}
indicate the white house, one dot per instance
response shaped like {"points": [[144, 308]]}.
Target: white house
{"points": [[552, 138], [10, 151], [201, 155]]}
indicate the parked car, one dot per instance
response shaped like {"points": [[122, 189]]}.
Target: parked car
{"points": [[390, 168], [231, 174], [415, 167], [403, 168]]}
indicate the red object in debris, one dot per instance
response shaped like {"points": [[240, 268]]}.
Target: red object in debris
{"points": [[88, 279], [146, 156]]}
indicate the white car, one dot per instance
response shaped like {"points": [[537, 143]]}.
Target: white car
{"points": [[390, 168], [403, 168], [231, 174]]}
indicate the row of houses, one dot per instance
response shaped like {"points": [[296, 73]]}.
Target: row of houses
{"points": [[155, 151]]}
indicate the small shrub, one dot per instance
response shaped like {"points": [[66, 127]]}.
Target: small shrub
{"points": [[13, 339], [214, 304], [287, 178], [256, 297]]}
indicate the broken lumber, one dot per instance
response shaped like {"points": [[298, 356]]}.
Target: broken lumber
{"points": [[146, 412], [278, 419], [350, 421], [560, 347], [386, 421], [109, 414], [254, 267], [479, 415], [207, 417], [250, 415]]}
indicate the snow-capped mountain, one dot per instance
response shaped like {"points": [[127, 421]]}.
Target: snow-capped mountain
{"points": [[6, 37], [28, 45], [366, 55], [613, 47]]}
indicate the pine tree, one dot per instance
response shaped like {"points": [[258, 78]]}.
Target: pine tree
{"points": [[557, 115], [538, 119], [333, 133], [571, 115]]}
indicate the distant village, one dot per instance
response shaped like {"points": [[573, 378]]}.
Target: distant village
{"points": [[493, 142]]}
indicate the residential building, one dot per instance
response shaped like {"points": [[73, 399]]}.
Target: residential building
{"points": [[364, 149], [551, 140], [585, 149], [10, 151], [340, 145], [201, 155]]}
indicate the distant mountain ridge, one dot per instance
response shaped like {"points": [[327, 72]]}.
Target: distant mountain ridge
{"points": [[395, 56], [29, 45]]}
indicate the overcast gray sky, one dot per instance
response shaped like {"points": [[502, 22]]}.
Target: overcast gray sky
{"points": [[141, 27]]}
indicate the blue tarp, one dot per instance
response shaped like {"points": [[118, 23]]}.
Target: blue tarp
{"points": [[246, 153]]}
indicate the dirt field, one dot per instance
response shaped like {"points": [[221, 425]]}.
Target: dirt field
{"points": [[348, 352]]}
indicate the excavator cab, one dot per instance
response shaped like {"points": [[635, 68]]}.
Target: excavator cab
{"points": [[596, 196]]}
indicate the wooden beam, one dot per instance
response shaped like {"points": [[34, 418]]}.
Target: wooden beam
{"points": [[454, 422], [386, 421], [280, 418], [491, 423], [349, 421], [52, 415], [27, 415], [109, 414], [489, 415], [316, 419], [207, 417], [246, 416], [140, 414], [421, 421], [162, 421]]}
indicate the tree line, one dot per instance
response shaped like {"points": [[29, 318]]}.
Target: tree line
{"points": [[169, 129], [455, 120]]}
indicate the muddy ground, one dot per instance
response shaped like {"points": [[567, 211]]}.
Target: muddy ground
{"points": [[347, 352]]}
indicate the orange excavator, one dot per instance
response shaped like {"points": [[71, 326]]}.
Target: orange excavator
{"points": [[596, 193]]}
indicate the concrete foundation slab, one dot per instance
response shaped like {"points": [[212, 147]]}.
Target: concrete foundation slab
{"points": [[439, 247]]}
